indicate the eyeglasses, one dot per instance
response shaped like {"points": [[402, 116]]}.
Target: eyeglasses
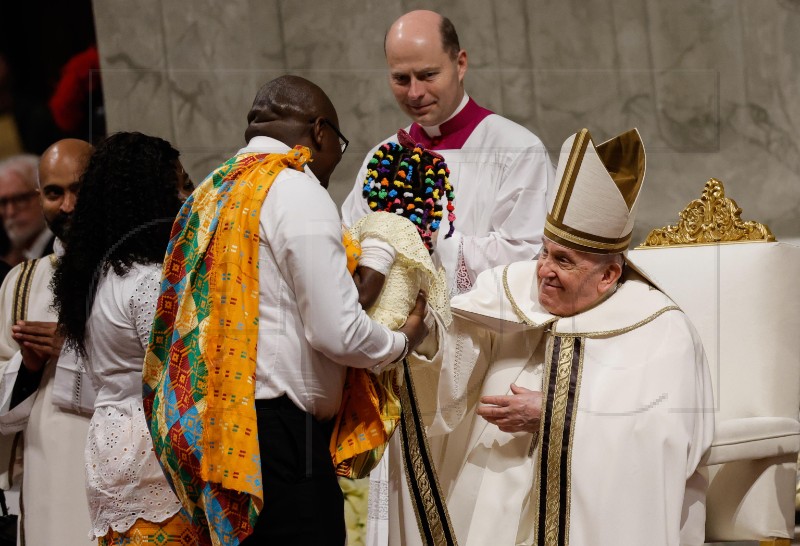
{"points": [[343, 142], [18, 201]]}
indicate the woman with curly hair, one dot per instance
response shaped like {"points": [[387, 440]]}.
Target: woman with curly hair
{"points": [[106, 287]]}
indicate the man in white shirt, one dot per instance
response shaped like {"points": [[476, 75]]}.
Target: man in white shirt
{"points": [[21, 210], [310, 324], [499, 170], [53, 488]]}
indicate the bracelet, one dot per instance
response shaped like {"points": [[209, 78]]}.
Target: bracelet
{"points": [[404, 354]]}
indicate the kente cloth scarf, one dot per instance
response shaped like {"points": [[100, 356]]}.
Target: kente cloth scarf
{"points": [[199, 371], [366, 415]]}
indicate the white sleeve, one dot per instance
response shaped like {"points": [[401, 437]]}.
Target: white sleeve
{"points": [[8, 347], [454, 375], [309, 254], [519, 208], [10, 362], [15, 419], [143, 302], [73, 389], [377, 254]]}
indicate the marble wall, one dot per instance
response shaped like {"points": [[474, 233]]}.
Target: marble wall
{"points": [[712, 85]]}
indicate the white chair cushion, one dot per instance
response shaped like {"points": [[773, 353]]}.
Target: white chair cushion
{"points": [[753, 438]]}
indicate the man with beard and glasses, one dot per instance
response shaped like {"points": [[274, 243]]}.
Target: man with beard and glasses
{"points": [[20, 210], [38, 407]]}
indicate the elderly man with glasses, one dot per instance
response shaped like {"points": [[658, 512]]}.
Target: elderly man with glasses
{"points": [[21, 210], [573, 403]]}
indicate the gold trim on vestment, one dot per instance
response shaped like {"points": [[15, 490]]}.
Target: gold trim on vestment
{"points": [[558, 410], [624, 330], [556, 442], [537, 476], [22, 290], [574, 418], [576, 154], [427, 490]]}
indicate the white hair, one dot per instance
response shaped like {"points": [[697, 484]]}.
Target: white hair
{"points": [[26, 166]]}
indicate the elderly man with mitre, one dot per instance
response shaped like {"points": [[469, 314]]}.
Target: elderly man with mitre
{"points": [[574, 404]]}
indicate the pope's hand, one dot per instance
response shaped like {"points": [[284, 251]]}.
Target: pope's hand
{"points": [[516, 412]]}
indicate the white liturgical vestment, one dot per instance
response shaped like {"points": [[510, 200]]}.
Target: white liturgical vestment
{"points": [[53, 485], [627, 414]]}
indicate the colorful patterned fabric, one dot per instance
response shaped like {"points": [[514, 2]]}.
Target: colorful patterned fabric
{"points": [[176, 531], [366, 420], [370, 408], [352, 248], [363, 425], [359, 434], [199, 373]]}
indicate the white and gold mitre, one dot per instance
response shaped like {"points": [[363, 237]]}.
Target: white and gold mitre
{"points": [[595, 205]]}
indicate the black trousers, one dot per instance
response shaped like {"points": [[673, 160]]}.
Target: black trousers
{"points": [[303, 504]]}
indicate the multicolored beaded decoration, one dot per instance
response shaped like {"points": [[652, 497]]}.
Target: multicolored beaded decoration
{"points": [[411, 181]]}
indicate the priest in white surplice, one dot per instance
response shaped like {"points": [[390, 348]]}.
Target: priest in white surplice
{"points": [[499, 170], [573, 404]]}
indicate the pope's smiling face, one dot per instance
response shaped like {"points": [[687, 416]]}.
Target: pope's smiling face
{"points": [[571, 281]]}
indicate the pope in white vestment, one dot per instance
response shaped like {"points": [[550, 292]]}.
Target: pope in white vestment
{"points": [[613, 367], [626, 418]]}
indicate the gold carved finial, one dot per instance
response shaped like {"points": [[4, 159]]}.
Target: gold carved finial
{"points": [[713, 218]]}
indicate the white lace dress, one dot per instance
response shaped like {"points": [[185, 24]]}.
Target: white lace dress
{"points": [[124, 481]]}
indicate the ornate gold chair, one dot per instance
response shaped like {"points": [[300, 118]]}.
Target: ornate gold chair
{"points": [[742, 291]]}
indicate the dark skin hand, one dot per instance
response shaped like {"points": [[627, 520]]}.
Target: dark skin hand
{"points": [[38, 342], [369, 284], [516, 412], [415, 327]]}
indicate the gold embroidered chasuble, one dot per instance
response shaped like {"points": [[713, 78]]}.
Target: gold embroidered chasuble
{"points": [[626, 419]]}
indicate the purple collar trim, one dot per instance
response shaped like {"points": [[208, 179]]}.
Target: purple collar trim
{"points": [[455, 131]]}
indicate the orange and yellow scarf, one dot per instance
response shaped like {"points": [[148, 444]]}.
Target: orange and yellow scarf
{"points": [[200, 367]]}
